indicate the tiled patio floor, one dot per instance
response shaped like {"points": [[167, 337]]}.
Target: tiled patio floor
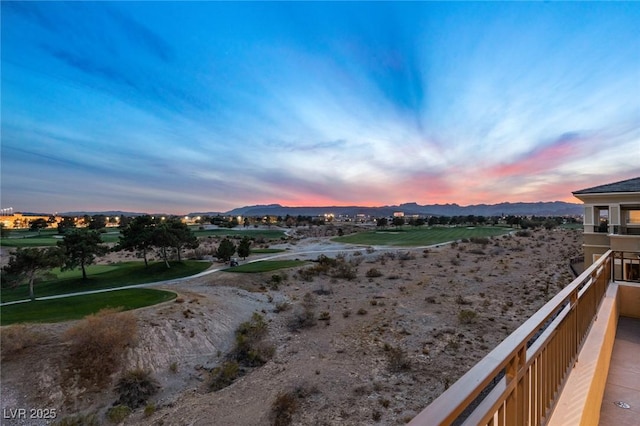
{"points": [[623, 381]]}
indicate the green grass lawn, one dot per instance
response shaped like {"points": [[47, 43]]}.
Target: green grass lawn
{"points": [[407, 236], [77, 307], [106, 276], [46, 238], [30, 241], [267, 234], [265, 266]]}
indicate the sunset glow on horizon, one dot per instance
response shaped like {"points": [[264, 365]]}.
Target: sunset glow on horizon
{"points": [[182, 107]]}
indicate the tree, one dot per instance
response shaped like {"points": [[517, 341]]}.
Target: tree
{"points": [[124, 221], [80, 248], [244, 248], [65, 224], [226, 249], [182, 236], [29, 264], [398, 221], [137, 235], [38, 224], [163, 239], [98, 221], [381, 222]]}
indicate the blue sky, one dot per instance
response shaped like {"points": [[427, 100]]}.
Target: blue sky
{"points": [[206, 106]]}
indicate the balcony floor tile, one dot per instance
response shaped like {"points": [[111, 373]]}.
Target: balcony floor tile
{"points": [[623, 381]]}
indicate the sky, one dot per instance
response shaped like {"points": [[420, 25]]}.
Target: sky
{"points": [[181, 107]]}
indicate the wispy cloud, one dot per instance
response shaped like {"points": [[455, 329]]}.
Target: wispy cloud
{"points": [[205, 106]]}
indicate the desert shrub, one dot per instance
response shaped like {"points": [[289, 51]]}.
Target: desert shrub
{"points": [[283, 408], [223, 375], [523, 233], [16, 338], [135, 387], [344, 270], [78, 420], [275, 281], [407, 255], [325, 316], [303, 317], [362, 311], [397, 359], [118, 413], [250, 349], [327, 261], [307, 274], [479, 240], [98, 342], [149, 409], [346, 313], [430, 299], [282, 306], [373, 273], [466, 316]]}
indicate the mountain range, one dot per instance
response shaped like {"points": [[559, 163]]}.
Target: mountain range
{"points": [[553, 208], [549, 208]]}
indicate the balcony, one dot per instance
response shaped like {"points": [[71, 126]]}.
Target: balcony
{"points": [[553, 370]]}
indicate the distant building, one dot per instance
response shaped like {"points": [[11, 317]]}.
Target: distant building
{"points": [[612, 221], [398, 214], [23, 221]]}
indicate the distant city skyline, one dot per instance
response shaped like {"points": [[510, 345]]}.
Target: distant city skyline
{"points": [[180, 107]]}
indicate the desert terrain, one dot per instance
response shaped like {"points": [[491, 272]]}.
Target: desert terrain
{"points": [[372, 338]]}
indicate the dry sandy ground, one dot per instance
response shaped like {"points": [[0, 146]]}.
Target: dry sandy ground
{"points": [[340, 367]]}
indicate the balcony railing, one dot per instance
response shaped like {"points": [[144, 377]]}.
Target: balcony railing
{"points": [[518, 383]]}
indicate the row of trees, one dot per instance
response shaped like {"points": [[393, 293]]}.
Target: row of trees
{"points": [[143, 233], [78, 248], [81, 246], [516, 221]]}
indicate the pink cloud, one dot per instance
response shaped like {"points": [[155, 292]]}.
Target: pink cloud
{"points": [[541, 159]]}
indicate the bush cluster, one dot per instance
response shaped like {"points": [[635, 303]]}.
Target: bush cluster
{"points": [[397, 359], [466, 316], [250, 350], [98, 342], [135, 387], [16, 338], [223, 375], [305, 315], [336, 268], [283, 408]]}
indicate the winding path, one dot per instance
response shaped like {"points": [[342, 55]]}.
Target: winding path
{"points": [[331, 248]]}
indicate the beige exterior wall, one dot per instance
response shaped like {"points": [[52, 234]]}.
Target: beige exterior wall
{"points": [[629, 300], [625, 242], [619, 217]]}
